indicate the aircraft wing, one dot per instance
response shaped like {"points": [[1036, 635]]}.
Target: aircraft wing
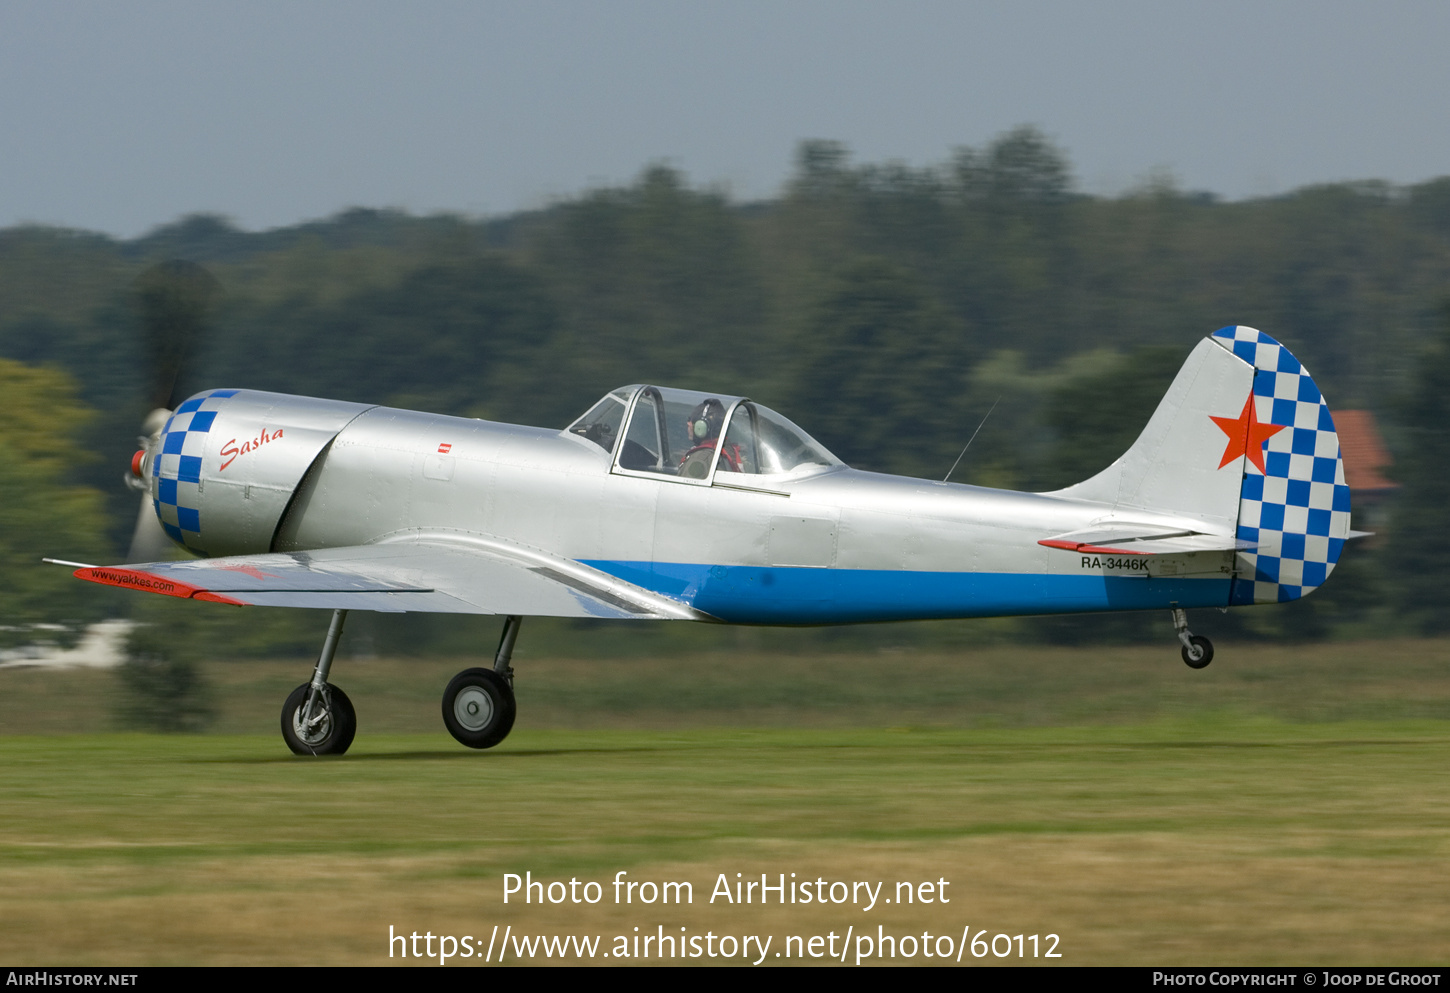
{"points": [[1144, 539], [453, 574]]}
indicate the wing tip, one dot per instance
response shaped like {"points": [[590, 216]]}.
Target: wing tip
{"points": [[150, 582]]}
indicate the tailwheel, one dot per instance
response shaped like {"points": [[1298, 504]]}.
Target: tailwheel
{"points": [[320, 723], [478, 708], [1198, 652]]}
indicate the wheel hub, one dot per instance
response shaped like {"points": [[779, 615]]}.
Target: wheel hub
{"points": [[316, 731], [473, 708]]}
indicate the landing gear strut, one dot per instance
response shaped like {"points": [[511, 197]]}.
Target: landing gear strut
{"points": [[478, 705], [318, 718], [1197, 650]]}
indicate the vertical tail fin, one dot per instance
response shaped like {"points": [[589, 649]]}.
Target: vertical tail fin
{"points": [[1242, 444]]}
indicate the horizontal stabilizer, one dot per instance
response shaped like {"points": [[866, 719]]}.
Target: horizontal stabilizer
{"points": [[1143, 539]]}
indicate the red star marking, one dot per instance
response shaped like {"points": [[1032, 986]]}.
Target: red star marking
{"points": [[1246, 435]]}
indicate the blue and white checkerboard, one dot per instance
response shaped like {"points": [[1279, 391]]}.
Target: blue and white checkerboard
{"points": [[1298, 509], [177, 467]]}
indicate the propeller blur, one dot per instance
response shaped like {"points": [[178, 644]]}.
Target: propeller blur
{"points": [[172, 302]]}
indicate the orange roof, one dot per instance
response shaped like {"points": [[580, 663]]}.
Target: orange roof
{"points": [[1363, 450]]}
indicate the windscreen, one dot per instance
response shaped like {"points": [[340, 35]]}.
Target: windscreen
{"points": [[601, 424]]}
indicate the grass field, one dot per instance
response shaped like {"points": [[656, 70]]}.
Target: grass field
{"points": [[1283, 806]]}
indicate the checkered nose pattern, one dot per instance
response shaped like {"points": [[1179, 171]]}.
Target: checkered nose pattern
{"points": [[1297, 509], [177, 468]]}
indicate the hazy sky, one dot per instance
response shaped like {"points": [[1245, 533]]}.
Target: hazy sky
{"points": [[119, 116]]}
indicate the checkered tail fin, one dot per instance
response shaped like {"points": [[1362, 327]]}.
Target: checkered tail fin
{"points": [[1293, 501]]}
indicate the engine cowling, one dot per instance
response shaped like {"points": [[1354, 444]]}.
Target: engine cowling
{"points": [[227, 462]]}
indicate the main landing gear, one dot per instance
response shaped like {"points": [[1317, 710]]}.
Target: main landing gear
{"points": [[1197, 650], [318, 718], [478, 705]]}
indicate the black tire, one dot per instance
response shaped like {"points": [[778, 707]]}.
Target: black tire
{"points": [[1204, 652], [478, 708], [330, 736]]}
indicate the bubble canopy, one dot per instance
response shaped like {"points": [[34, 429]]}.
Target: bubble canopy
{"points": [[699, 437]]}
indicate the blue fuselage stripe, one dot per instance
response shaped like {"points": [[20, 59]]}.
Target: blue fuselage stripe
{"points": [[789, 595]]}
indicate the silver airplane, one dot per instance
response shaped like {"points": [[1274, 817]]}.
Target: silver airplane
{"points": [[664, 504]]}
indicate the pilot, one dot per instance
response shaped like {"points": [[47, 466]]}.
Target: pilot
{"points": [[703, 429]]}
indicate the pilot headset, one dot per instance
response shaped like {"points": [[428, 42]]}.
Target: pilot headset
{"points": [[705, 420]]}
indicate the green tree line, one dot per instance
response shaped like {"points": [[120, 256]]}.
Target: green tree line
{"points": [[883, 307]]}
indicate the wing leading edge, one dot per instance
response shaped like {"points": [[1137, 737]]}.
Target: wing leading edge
{"points": [[448, 573]]}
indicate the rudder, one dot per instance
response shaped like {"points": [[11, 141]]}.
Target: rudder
{"points": [[1296, 509]]}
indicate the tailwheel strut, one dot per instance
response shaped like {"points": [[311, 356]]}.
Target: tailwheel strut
{"points": [[1197, 650]]}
